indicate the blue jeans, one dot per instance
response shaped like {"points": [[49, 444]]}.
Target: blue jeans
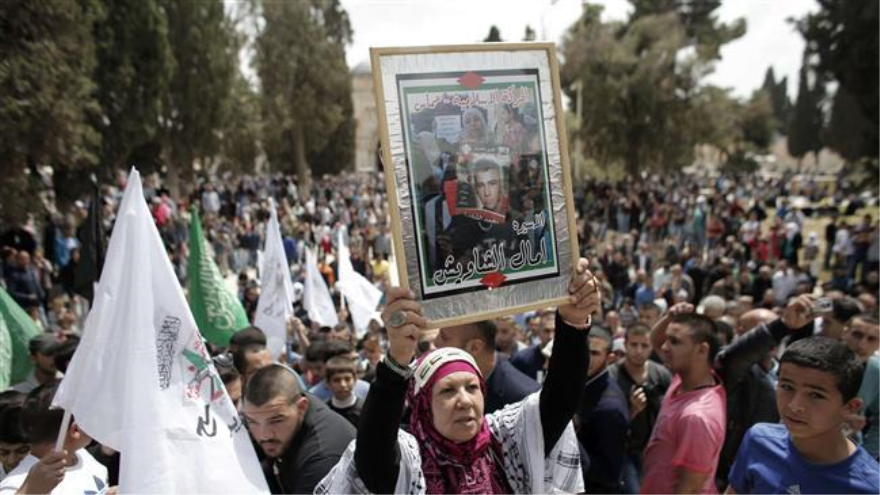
{"points": [[631, 473]]}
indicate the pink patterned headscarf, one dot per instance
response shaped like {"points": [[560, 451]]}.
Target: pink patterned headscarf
{"points": [[449, 467]]}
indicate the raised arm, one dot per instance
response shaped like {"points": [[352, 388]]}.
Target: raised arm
{"points": [[377, 456], [570, 361], [734, 361], [658, 331]]}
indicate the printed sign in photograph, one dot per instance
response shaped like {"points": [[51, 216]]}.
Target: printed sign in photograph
{"points": [[480, 188], [480, 195]]}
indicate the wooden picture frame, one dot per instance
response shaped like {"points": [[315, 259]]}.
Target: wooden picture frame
{"points": [[478, 177]]}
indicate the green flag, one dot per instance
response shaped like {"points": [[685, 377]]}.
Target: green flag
{"points": [[217, 311], [16, 331]]}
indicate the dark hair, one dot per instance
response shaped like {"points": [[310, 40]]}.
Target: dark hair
{"points": [[485, 165], [315, 352], [44, 343], [65, 351], [867, 318], [270, 382], [39, 423], [336, 348], [702, 329], [828, 356], [11, 402], [239, 356], [648, 306], [845, 308], [339, 364], [604, 335], [484, 330], [636, 329], [11, 398], [225, 365], [726, 329], [10, 425], [247, 336]]}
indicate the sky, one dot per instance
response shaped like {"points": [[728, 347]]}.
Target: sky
{"points": [[769, 40]]}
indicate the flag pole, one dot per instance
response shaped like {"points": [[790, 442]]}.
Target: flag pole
{"points": [[62, 433]]}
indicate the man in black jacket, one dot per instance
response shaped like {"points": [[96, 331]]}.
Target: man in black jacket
{"points": [[645, 382], [504, 383], [602, 420], [301, 437]]}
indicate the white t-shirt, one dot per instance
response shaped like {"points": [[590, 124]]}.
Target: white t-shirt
{"points": [[87, 476]]}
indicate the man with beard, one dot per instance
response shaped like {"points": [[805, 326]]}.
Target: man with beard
{"points": [[300, 436]]}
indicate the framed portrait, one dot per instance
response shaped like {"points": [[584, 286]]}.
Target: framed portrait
{"points": [[478, 177]]}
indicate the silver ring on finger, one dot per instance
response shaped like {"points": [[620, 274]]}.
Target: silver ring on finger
{"points": [[398, 319]]}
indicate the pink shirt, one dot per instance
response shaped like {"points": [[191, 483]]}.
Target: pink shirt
{"points": [[688, 434]]}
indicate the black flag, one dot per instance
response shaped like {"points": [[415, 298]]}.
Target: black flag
{"points": [[91, 238]]}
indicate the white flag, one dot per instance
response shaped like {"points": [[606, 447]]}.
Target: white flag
{"points": [[275, 306], [362, 296], [142, 382], [316, 295]]}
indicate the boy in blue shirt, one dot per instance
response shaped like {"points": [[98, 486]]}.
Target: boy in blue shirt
{"points": [[819, 379]]}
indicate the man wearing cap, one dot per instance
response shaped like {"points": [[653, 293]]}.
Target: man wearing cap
{"points": [[42, 349]]}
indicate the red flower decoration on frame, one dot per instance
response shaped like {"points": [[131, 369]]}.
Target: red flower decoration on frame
{"points": [[493, 280], [471, 80]]}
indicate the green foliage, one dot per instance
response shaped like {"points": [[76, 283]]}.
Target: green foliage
{"points": [[494, 35], [46, 95], [849, 133], [779, 100], [807, 120], [135, 66], [305, 84], [843, 37], [240, 147], [757, 122], [696, 17], [198, 102], [530, 34], [636, 94]]}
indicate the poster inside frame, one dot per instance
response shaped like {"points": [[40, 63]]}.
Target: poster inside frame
{"points": [[478, 178]]}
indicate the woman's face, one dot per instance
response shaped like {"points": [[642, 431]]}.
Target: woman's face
{"points": [[457, 406], [473, 125], [504, 115]]}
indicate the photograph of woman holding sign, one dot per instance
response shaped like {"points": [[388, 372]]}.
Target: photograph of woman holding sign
{"points": [[453, 447]]}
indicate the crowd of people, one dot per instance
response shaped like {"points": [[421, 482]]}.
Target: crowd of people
{"points": [[694, 356]]}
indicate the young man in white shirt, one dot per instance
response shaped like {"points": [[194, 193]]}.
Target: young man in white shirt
{"points": [[46, 470]]}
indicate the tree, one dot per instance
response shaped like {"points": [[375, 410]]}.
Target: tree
{"points": [[696, 17], [848, 133], [198, 101], [778, 94], [739, 130], [240, 143], [493, 36], [807, 120], [135, 66], [843, 37], [46, 97], [305, 83], [530, 34], [639, 84]]}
